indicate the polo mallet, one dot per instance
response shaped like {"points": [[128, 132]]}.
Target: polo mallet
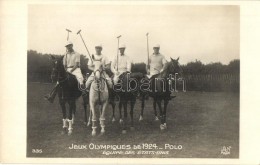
{"points": [[118, 37], [69, 31], [85, 45], [147, 35]]}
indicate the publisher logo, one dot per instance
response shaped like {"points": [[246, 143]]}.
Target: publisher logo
{"points": [[226, 150]]}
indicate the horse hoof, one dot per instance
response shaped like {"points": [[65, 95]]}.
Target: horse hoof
{"points": [[124, 132], [113, 120], [64, 131], [141, 118], [165, 126], [156, 118], [120, 121], [162, 127], [132, 128], [102, 130], [94, 133], [70, 133]]}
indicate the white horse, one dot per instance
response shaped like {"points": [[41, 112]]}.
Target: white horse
{"points": [[98, 95]]}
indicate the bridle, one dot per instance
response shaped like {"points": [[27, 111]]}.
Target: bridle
{"points": [[60, 79], [98, 81]]}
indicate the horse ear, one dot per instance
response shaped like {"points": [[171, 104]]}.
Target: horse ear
{"points": [[171, 59], [178, 58]]}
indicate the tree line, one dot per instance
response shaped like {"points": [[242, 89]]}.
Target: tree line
{"points": [[201, 77]]}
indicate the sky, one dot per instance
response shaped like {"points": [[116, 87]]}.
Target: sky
{"points": [[205, 33]]}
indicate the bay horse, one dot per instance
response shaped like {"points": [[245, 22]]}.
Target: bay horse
{"points": [[160, 90], [68, 92], [126, 95]]}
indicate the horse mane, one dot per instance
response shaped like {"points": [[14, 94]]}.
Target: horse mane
{"points": [[166, 69]]}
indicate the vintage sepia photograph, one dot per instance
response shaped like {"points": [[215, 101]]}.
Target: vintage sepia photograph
{"points": [[133, 81]]}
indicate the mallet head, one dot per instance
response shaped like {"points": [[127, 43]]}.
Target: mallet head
{"points": [[68, 30], [147, 34], [78, 31], [118, 36]]}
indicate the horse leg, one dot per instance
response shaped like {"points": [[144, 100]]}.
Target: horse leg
{"points": [[133, 100], [120, 111], [113, 115], [142, 108], [85, 109], [102, 118], [125, 116], [166, 101], [64, 120], [155, 112], [73, 111], [94, 118], [159, 101], [71, 108], [89, 117]]}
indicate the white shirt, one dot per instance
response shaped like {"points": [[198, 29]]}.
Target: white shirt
{"points": [[124, 64], [70, 59], [157, 61], [99, 61]]}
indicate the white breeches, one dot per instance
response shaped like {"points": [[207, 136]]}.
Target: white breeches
{"points": [[78, 74]]}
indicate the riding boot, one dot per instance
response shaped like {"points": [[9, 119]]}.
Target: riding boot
{"points": [[50, 97]]}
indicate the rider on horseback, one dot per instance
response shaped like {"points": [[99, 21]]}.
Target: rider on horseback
{"points": [[99, 61], [122, 65], [71, 62], [156, 62]]}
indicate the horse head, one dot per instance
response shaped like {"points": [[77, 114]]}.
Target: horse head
{"points": [[97, 74], [57, 67], [174, 66]]}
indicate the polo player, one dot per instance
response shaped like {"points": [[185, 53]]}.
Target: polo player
{"points": [[71, 62], [122, 65], [156, 62], [100, 61]]}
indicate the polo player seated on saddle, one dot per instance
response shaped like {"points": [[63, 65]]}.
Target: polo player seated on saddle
{"points": [[71, 62], [121, 66], [100, 63], [157, 63]]}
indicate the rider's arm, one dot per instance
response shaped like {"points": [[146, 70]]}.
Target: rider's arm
{"points": [[77, 62], [75, 67], [90, 65], [129, 65], [112, 67], [106, 63], [164, 64]]}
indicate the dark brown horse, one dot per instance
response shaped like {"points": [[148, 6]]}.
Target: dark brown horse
{"points": [[68, 92], [127, 90], [160, 90]]}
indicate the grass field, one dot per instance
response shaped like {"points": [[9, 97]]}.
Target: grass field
{"points": [[201, 122]]}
